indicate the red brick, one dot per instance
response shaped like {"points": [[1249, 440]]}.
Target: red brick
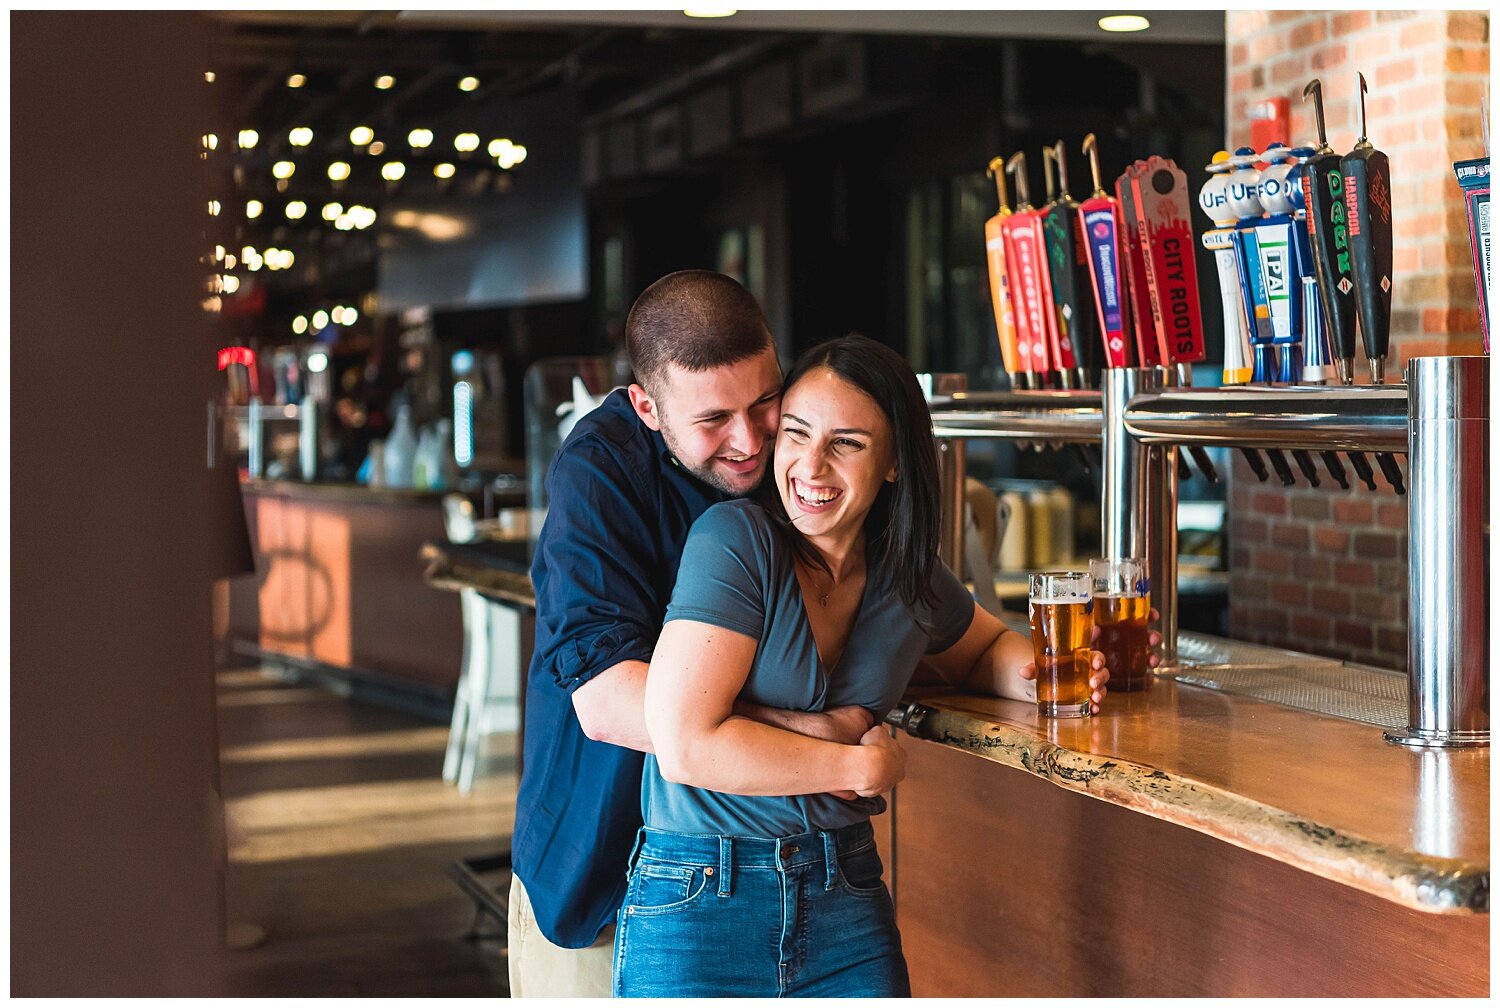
{"points": [[1308, 33], [1351, 634], [1249, 532], [1424, 32], [1468, 26], [1239, 54], [1405, 260], [1270, 621], [1467, 61], [1465, 92], [1313, 506], [1354, 573], [1354, 511], [1396, 72], [1347, 24], [1312, 568], [1247, 587], [1269, 503], [1329, 57], [1385, 16], [1311, 628], [1393, 643], [1270, 561], [1292, 593], [1293, 68], [1239, 558], [1391, 516], [1290, 536], [1331, 540], [1334, 601], [1376, 546]]}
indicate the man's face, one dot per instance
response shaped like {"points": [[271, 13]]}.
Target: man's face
{"points": [[720, 423]]}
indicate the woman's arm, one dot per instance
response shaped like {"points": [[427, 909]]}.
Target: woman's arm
{"points": [[990, 658], [697, 671]]}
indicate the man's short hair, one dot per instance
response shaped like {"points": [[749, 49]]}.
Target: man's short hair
{"points": [[696, 319]]}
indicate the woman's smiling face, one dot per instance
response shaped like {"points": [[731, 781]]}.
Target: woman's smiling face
{"points": [[834, 450]]}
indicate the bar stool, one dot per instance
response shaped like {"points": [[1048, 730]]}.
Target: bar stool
{"points": [[484, 702]]}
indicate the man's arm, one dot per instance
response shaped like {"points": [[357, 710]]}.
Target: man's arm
{"points": [[611, 708]]}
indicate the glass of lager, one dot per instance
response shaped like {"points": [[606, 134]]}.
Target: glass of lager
{"points": [[1122, 607], [1062, 624]]}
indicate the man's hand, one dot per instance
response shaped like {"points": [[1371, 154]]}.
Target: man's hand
{"points": [[887, 762], [1100, 675], [844, 725]]}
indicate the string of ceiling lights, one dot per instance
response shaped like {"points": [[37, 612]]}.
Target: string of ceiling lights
{"points": [[358, 163]]}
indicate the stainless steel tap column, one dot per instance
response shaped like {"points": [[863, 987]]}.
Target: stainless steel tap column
{"points": [[1449, 682], [1139, 512], [952, 471]]}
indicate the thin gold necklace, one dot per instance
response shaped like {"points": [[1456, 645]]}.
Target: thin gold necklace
{"points": [[823, 596]]}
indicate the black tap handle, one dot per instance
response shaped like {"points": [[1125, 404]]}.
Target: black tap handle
{"points": [[1367, 199], [1392, 470], [1362, 469], [1305, 463], [1205, 464], [1336, 468], [1256, 463], [1279, 463]]}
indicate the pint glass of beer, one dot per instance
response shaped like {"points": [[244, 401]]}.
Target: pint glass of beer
{"points": [[1122, 607], [1062, 623]]}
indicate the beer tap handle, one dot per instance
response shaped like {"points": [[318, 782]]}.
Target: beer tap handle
{"points": [[1392, 470], [1336, 468], [1362, 469], [1279, 463], [1305, 463], [1367, 200], [1256, 463], [1205, 464]]}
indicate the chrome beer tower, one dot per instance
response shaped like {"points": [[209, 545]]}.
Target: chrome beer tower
{"points": [[1438, 419]]}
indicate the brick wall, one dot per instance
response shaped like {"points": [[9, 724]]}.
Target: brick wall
{"points": [[1324, 570]]}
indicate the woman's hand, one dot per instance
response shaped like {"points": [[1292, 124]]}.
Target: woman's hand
{"points": [[1098, 676], [887, 761]]}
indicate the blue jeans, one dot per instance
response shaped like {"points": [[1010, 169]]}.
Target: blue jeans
{"points": [[727, 916]]}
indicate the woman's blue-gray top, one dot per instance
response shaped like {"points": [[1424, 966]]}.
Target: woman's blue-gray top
{"points": [[737, 574]]}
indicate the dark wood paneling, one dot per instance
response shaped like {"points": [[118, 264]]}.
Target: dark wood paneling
{"points": [[1010, 886]]}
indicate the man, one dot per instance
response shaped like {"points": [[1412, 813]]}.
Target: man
{"points": [[697, 428]]}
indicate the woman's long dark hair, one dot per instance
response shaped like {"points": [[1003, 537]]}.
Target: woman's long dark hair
{"points": [[901, 530]]}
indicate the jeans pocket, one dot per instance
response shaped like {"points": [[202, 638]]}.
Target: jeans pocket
{"points": [[860, 872], [657, 889]]}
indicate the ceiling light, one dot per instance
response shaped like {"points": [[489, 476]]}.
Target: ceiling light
{"points": [[209, 76], [468, 84], [497, 146], [444, 170], [337, 314], [350, 316], [331, 211], [299, 324], [230, 283], [466, 142], [301, 136], [343, 223], [218, 252], [248, 138], [248, 252], [338, 171], [419, 137], [210, 141], [1124, 23], [213, 208], [296, 80], [377, 148], [253, 208], [230, 262], [359, 136], [393, 171], [319, 319], [385, 82], [283, 169], [296, 210], [317, 361], [710, 12]]}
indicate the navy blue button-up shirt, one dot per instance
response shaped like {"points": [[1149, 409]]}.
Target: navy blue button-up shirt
{"points": [[619, 510]]}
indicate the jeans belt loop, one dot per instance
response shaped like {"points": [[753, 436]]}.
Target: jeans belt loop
{"points": [[726, 865], [635, 849], [830, 859]]}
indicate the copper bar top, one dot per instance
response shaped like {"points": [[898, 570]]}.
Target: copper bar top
{"points": [[1322, 794]]}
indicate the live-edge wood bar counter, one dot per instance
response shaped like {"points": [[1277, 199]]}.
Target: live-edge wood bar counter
{"points": [[1185, 842]]}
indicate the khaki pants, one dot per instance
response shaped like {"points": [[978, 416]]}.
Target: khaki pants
{"points": [[539, 968]]}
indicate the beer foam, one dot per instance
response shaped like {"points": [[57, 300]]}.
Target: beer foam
{"points": [[1064, 594]]}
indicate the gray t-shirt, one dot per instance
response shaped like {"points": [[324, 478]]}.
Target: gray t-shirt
{"points": [[737, 574]]}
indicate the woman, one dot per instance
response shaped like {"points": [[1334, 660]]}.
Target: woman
{"points": [[756, 873]]}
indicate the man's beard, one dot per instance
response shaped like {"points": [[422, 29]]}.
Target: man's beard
{"points": [[712, 476]]}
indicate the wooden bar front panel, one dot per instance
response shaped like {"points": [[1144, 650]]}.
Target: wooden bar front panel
{"points": [[1009, 886]]}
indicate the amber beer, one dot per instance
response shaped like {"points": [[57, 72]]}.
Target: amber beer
{"points": [[1062, 623], [1122, 609]]}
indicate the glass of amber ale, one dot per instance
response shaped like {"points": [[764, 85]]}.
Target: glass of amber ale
{"points": [[1062, 624], [1122, 607]]}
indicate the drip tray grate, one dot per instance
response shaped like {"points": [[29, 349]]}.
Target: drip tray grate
{"points": [[1321, 685]]}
